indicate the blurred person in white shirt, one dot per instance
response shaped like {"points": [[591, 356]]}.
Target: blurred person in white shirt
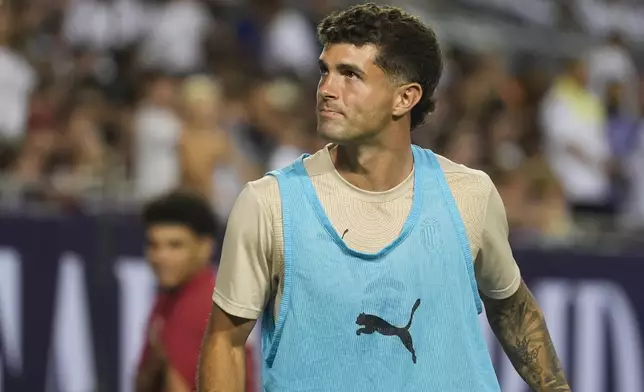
{"points": [[17, 81], [157, 129], [600, 17], [175, 36], [576, 146], [102, 25], [289, 42]]}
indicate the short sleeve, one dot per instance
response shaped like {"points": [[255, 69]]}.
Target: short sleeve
{"points": [[243, 278], [497, 273]]}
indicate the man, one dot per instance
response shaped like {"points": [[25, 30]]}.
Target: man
{"points": [[576, 145], [179, 228], [361, 255]]}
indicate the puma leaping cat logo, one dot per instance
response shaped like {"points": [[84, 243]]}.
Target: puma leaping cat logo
{"points": [[376, 324]]}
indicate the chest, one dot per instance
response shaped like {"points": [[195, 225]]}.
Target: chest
{"points": [[424, 261], [350, 224], [172, 313]]}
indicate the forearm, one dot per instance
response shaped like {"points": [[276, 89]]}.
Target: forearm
{"points": [[151, 376], [222, 367], [520, 327]]}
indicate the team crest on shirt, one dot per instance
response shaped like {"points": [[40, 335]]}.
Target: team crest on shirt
{"points": [[431, 236]]}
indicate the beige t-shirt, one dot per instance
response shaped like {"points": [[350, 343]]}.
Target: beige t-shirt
{"points": [[251, 270]]}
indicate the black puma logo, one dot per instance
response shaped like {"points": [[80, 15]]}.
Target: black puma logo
{"points": [[376, 324]]}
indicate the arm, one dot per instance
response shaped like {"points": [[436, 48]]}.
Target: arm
{"points": [[157, 374], [511, 309], [520, 327], [174, 382], [242, 290], [222, 364], [151, 374], [152, 371]]}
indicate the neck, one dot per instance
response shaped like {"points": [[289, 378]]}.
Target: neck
{"points": [[191, 277], [375, 167]]}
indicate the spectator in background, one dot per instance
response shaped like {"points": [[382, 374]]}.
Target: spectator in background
{"points": [[576, 146], [212, 162], [622, 138], [17, 80], [37, 148], [289, 42], [601, 17], [463, 145], [180, 232], [203, 143], [612, 63], [103, 48], [79, 164], [156, 129], [103, 25], [175, 38], [633, 212], [550, 212], [285, 124], [534, 201]]}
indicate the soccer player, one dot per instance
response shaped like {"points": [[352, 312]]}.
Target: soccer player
{"points": [[367, 258], [180, 230]]}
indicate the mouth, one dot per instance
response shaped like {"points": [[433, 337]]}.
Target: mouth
{"points": [[329, 113]]}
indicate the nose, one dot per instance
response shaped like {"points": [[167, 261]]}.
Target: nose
{"points": [[327, 88]]}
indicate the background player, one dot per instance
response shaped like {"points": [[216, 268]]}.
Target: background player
{"points": [[364, 229], [180, 232]]}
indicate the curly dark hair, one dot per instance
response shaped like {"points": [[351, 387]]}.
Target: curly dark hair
{"points": [[181, 208], [408, 49]]}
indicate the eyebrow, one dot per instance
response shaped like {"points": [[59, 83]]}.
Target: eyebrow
{"points": [[343, 67]]}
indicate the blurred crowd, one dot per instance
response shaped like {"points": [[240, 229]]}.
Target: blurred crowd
{"points": [[113, 102]]}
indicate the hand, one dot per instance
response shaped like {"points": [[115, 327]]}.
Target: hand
{"points": [[151, 376], [154, 338]]}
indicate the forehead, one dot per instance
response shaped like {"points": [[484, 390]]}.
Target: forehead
{"points": [[169, 231], [360, 56]]}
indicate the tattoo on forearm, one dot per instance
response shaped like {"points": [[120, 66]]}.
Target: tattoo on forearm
{"points": [[521, 329]]}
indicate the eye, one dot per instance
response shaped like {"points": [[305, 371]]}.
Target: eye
{"points": [[323, 71], [351, 75]]}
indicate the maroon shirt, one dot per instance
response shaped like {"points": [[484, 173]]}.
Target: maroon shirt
{"points": [[184, 315]]}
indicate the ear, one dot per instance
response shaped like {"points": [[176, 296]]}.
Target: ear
{"points": [[407, 96]]}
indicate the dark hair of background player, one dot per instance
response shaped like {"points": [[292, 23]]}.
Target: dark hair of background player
{"points": [[408, 49], [181, 208]]}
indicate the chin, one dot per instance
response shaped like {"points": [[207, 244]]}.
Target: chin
{"points": [[167, 287], [167, 283], [334, 133]]}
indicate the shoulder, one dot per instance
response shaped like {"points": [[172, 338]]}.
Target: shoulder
{"points": [[266, 189], [258, 208], [265, 192], [471, 190], [465, 181]]}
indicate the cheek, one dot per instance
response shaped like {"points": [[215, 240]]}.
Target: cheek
{"points": [[374, 110], [180, 258], [169, 261]]}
